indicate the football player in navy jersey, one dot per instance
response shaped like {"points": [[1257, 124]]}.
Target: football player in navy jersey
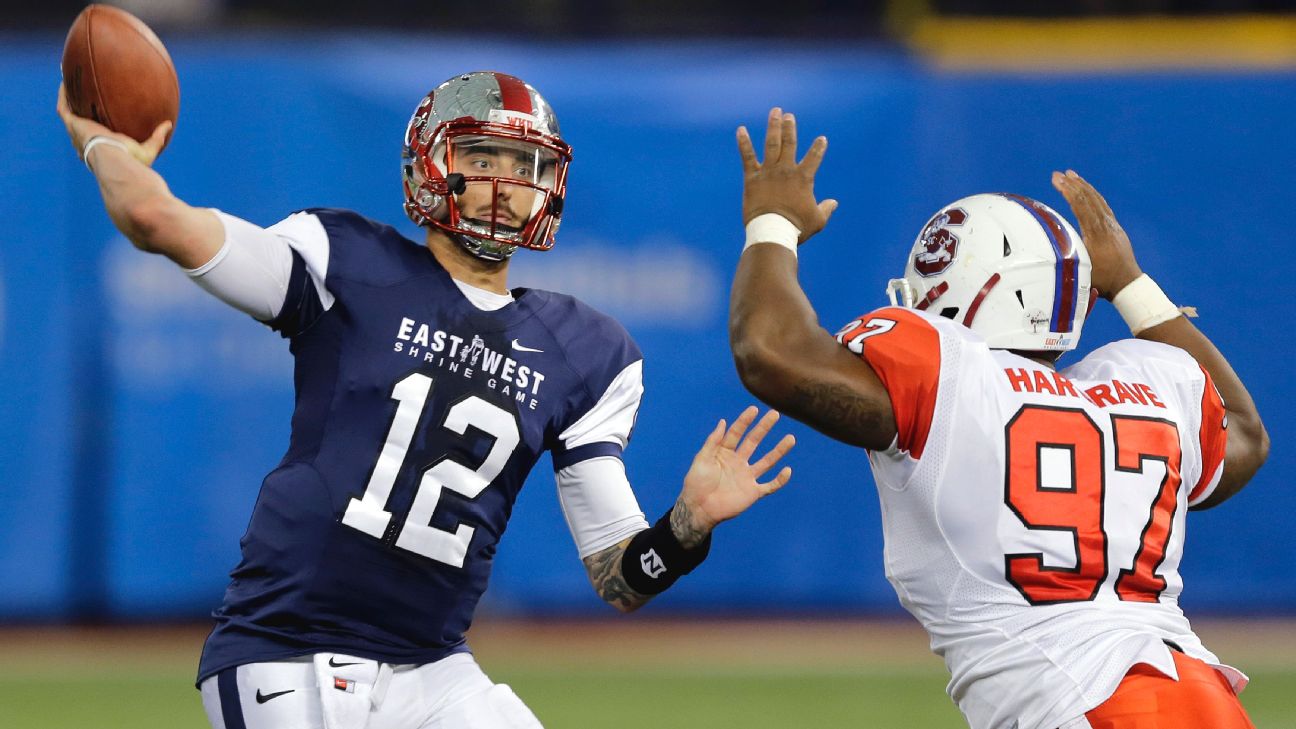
{"points": [[426, 392]]}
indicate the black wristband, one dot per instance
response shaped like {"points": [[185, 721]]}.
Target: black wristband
{"points": [[655, 558]]}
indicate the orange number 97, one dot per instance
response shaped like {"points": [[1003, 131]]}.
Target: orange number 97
{"points": [[1076, 506]]}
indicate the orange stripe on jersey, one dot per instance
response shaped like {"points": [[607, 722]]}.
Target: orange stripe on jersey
{"points": [[904, 350], [1214, 435]]}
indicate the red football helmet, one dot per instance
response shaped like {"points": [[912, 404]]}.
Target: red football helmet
{"points": [[483, 161]]}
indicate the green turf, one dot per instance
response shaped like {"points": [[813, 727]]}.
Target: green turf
{"points": [[1270, 699], [89, 701], [752, 701], [738, 700], [748, 698]]}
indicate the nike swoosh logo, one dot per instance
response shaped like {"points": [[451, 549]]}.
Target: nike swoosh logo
{"points": [[262, 698], [333, 662], [521, 348]]}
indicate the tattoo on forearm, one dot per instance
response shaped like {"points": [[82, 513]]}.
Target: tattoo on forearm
{"points": [[605, 572], [834, 409], [681, 523]]}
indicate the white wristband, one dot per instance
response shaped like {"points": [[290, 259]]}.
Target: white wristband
{"points": [[1143, 305], [96, 141], [772, 228]]}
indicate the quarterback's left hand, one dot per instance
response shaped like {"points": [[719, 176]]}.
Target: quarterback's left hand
{"points": [[721, 483]]}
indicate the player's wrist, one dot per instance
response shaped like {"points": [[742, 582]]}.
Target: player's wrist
{"points": [[1143, 305], [773, 228], [1118, 283], [101, 140], [689, 525], [656, 558]]}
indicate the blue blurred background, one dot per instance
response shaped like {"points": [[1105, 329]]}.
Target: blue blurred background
{"points": [[139, 415]]}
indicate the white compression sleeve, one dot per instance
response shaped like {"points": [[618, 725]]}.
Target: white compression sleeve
{"points": [[599, 505], [251, 270]]}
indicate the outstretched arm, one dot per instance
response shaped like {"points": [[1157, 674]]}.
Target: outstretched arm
{"points": [[137, 199], [1115, 268], [782, 354], [721, 484]]}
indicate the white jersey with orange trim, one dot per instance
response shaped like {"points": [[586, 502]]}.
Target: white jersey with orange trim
{"points": [[1034, 520]]}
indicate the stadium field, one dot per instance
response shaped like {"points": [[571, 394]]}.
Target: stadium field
{"points": [[627, 674]]}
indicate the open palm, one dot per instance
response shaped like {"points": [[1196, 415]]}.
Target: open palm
{"points": [[780, 184], [722, 482]]}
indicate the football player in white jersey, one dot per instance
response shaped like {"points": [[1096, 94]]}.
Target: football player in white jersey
{"points": [[372, 541], [1033, 517]]}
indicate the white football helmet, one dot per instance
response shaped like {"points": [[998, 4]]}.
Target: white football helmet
{"points": [[1007, 267], [484, 162]]}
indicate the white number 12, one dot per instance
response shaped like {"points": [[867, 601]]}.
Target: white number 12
{"points": [[369, 512]]}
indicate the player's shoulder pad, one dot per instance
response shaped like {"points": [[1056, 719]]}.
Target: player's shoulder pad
{"points": [[364, 250], [595, 343]]}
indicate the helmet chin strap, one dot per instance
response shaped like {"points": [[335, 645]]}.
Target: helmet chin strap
{"points": [[487, 250]]}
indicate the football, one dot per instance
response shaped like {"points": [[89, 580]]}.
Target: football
{"points": [[118, 73]]}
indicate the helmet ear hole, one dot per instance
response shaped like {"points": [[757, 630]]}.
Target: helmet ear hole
{"points": [[1007, 248], [949, 312], [1020, 300]]}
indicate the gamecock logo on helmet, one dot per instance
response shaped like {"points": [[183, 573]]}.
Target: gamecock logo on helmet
{"points": [[938, 245]]}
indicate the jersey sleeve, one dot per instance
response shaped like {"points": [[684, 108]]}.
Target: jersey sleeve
{"points": [[334, 249], [598, 414], [308, 296], [604, 429], [904, 350], [276, 275], [1213, 438]]}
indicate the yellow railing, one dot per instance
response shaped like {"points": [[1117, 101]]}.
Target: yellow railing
{"points": [[1247, 42]]}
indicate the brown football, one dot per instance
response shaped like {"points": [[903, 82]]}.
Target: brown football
{"points": [[118, 73]]}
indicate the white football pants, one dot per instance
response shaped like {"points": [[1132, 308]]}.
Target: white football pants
{"points": [[335, 691]]}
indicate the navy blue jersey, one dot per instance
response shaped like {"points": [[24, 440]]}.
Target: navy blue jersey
{"points": [[418, 417]]}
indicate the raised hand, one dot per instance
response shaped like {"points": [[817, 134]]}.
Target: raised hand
{"points": [[780, 184], [722, 482], [81, 130], [1109, 247]]}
